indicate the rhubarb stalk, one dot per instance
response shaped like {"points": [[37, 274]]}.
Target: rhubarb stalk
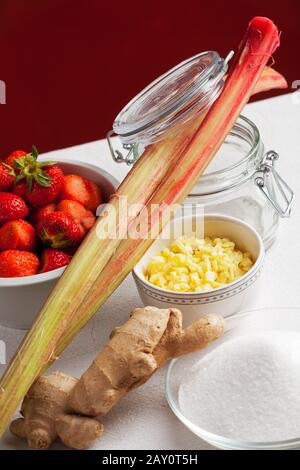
{"points": [[81, 280], [249, 76], [114, 272]]}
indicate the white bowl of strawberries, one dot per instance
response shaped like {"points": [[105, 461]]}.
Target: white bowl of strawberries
{"points": [[46, 209]]}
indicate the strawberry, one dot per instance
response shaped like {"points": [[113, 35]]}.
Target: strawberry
{"points": [[12, 207], [37, 214], [39, 183], [88, 221], [10, 160], [7, 177], [59, 230], [95, 196], [17, 235], [41, 194], [14, 263], [78, 212], [53, 259], [81, 190]]}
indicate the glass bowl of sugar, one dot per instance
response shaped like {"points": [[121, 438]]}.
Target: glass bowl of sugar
{"points": [[243, 391]]}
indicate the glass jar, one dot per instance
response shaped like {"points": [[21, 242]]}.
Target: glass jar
{"points": [[242, 180]]}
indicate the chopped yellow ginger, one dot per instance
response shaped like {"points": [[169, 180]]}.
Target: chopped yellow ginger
{"points": [[193, 264]]}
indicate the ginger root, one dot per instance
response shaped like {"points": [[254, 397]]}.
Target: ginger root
{"points": [[62, 406], [46, 415]]}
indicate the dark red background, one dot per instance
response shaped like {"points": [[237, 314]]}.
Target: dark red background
{"points": [[70, 65]]}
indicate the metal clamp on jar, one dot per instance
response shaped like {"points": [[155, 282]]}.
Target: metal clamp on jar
{"points": [[242, 180]]}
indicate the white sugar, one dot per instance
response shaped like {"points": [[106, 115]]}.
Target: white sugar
{"points": [[248, 388]]}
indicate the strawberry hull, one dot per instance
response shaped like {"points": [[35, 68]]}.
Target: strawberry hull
{"points": [[40, 196]]}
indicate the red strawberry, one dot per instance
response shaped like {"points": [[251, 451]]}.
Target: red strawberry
{"points": [[12, 207], [81, 190], [17, 235], [53, 259], [88, 222], [37, 214], [78, 212], [42, 192], [59, 230], [7, 177], [39, 183], [10, 160], [95, 196], [14, 263]]}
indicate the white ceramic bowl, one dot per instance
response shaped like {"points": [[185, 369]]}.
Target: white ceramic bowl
{"points": [[21, 298], [225, 300]]}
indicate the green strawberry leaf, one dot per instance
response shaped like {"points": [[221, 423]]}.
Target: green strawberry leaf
{"points": [[7, 165], [43, 179], [28, 167], [55, 241], [18, 178], [43, 183], [11, 172], [48, 163], [34, 152], [29, 183], [20, 162], [44, 175]]}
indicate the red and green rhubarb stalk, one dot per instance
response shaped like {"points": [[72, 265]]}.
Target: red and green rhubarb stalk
{"points": [[82, 278], [260, 42], [168, 152]]}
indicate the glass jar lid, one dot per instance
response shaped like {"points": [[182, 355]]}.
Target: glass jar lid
{"points": [[194, 83]]}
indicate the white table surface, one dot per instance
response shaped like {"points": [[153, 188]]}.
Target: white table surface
{"points": [[143, 420]]}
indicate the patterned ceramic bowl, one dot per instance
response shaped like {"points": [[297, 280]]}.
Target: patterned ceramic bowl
{"points": [[225, 300]]}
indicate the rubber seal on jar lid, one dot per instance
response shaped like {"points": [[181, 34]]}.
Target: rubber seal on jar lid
{"points": [[173, 92]]}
